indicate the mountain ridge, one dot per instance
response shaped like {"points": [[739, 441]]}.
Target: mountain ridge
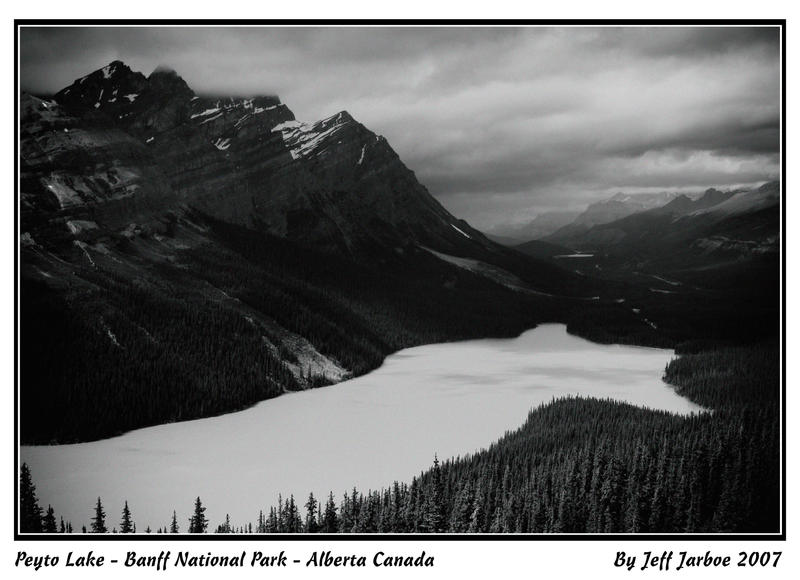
{"points": [[202, 254]]}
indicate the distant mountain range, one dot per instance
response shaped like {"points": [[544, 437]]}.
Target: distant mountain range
{"points": [[572, 222], [720, 240], [680, 221]]}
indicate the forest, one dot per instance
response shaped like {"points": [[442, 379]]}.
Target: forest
{"points": [[187, 340], [577, 465]]}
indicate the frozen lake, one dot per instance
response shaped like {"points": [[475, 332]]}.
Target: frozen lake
{"points": [[450, 399]]}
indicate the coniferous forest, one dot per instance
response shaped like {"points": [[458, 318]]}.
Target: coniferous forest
{"points": [[576, 466], [187, 339]]}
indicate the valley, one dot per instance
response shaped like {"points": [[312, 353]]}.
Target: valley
{"points": [[245, 306]]}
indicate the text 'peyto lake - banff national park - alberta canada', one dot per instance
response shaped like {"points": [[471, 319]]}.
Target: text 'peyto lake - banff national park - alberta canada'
{"points": [[399, 280]]}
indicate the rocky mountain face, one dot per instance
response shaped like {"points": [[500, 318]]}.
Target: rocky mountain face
{"points": [[333, 183], [202, 253]]}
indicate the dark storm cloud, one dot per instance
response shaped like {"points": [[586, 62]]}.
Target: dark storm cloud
{"points": [[497, 122]]}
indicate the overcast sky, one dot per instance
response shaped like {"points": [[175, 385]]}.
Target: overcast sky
{"points": [[499, 123]]}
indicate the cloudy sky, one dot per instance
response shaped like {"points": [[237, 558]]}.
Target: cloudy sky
{"points": [[500, 124]]}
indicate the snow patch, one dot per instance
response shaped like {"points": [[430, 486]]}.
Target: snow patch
{"points": [[109, 333], [670, 282], [66, 196], [83, 246], [217, 116], [222, 144], [205, 113], [361, 159], [303, 139], [258, 110], [112, 337], [462, 232], [131, 97], [287, 125], [79, 226]]}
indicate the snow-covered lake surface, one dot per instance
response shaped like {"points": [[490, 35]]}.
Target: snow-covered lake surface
{"points": [[450, 399]]}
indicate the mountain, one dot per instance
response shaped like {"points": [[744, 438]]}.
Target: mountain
{"points": [[542, 225], [711, 241], [186, 255], [746, 201], [692, 267], [333, 183], [684, 220], [609, 210]]}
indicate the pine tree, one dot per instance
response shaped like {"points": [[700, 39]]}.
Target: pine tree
{"points": [[99, 519], [50, 521], [173, 527], [198, 523], [433, 518], [345, 521], [293, 522], [126, 526], [462, 503], [30, 514], [330, 521], [478, 511], [311, 525]]}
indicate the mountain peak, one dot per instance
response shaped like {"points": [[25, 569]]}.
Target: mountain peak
{"points": [[105, 86], [113, 69]]}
